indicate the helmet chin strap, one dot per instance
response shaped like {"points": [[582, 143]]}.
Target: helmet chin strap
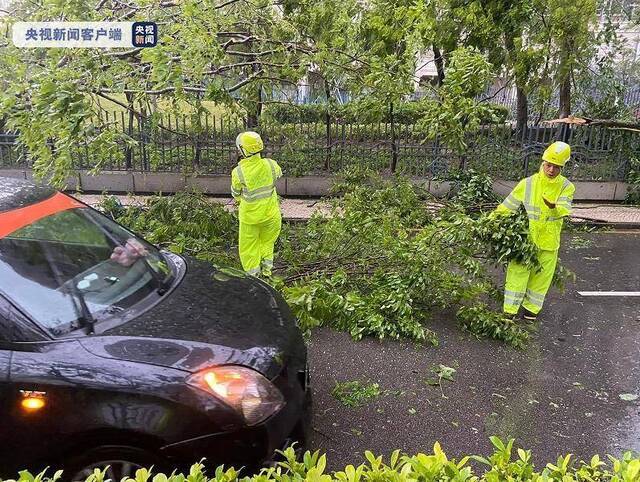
{"points": [[247, 155]]}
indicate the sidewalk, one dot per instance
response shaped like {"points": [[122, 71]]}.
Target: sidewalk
{"points": [[613, 215], [292, 209]]}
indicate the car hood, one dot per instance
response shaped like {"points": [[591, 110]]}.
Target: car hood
{"points": [[214, 316]]}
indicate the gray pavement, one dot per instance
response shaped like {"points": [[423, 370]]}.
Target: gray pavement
{"points": [[616, 215], [560, 395]]}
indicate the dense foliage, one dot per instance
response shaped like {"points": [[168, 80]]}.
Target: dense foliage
{"points": [[382, 263], [186, 223], [504, 465], [242, 55], [54, 98]]}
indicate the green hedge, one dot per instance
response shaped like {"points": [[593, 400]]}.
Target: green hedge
{"points": [[359, 112], [502, 465]]}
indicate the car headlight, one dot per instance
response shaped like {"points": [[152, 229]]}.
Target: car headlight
{"points": [[253, 396]]}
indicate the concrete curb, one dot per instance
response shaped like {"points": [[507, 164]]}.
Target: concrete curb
{"points": [[304, 186], [596, 223]]}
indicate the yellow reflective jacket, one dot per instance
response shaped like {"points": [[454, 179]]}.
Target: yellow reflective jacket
{"points": [[253, 184], [545, 224]]}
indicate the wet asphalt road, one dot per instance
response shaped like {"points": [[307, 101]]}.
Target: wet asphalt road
{"points": [[560, 395]]}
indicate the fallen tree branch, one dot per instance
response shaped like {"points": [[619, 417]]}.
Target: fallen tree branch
{"points": [[125, 54], [251, 54], [166, 90], [246, 81], [234, 41], [224, 68], [226, 4], [585, 121], [139, 115], [121, 104]]}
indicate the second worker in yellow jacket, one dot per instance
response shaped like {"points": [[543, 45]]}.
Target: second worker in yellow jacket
{"points": [[546, 197], [253, 185]]}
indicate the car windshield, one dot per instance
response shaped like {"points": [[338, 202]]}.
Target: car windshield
{"points": [[75, 267]]}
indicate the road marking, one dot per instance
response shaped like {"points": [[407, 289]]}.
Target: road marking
{"points": [[609, 293]]}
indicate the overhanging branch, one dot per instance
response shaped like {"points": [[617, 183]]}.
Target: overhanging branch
{"points": [[251, 54], [246, 81], [122, 55], [584, 121], [166, 90], [224, 68], [226, 4]]}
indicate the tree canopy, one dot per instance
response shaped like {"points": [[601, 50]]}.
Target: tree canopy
{"points": [[229, 52]]}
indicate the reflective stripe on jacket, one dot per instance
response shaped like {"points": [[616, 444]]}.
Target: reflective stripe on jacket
{"points": [[253, 184], [545, 224]]}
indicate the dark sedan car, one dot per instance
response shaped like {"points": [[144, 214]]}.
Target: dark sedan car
{"points": [[115, 353]]}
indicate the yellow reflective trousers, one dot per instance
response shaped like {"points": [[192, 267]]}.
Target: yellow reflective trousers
{"points": [[256, 245], [253, 185], [524, 287], [527, 287]]}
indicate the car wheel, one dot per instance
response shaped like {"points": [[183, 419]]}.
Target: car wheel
{"points": [[119, 461]]}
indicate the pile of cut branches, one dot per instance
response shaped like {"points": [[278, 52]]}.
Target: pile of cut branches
{"points": [[381, 263]]}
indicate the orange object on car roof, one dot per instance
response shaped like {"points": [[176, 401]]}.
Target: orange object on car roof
{"points": [[15, 219]]}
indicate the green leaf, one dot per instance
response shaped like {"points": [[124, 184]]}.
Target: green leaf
{"points": [[628, 397]]}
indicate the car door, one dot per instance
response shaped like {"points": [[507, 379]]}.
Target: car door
{"points": [[5, 363], [15, 331], [5, 427]]}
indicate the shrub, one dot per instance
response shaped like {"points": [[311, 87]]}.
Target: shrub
{"points": [[296, 113], [361, 112], [502, 465], [633, 178]]}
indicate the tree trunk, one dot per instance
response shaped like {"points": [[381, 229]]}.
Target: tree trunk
{"points": [[522, 103], [259, 105], [128, 152], [327, 120], [565, 96], [522, 109], [394, 140], [198, 135], [143, 137], [565, 79], [253, 116], [439, 64], [254, 111], [154, 104]]}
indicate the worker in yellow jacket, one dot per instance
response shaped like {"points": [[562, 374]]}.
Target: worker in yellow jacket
{"points": [[253, 185], [547, 198]]}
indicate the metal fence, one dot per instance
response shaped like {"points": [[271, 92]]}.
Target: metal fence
{"points": [[173, 144]]}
